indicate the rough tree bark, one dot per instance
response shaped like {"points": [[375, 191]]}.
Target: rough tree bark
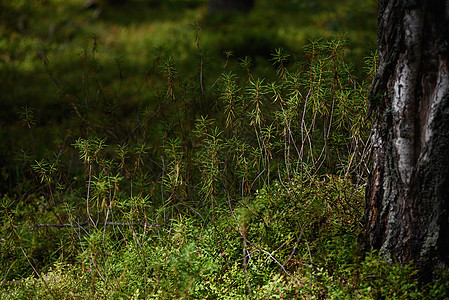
{"points": [[407, 195], [229, 5]]}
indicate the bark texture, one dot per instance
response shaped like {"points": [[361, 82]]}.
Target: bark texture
{"points": [[230, 5], [407, 194]]}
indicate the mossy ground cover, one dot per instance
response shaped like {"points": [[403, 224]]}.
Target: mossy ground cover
{"points": [[153, 151]]}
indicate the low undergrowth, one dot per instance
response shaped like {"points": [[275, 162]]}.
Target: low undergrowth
{"points": [[235, 187]]}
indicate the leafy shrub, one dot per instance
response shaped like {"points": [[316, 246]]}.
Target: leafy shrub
{"points": [[233, 187]]}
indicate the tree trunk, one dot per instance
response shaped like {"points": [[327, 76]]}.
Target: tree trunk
{"points": [[407, 205], [229, 5]]}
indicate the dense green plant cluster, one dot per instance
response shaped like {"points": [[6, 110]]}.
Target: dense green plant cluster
{"points": [[33, 33], [181, 176], [232, 188]]}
